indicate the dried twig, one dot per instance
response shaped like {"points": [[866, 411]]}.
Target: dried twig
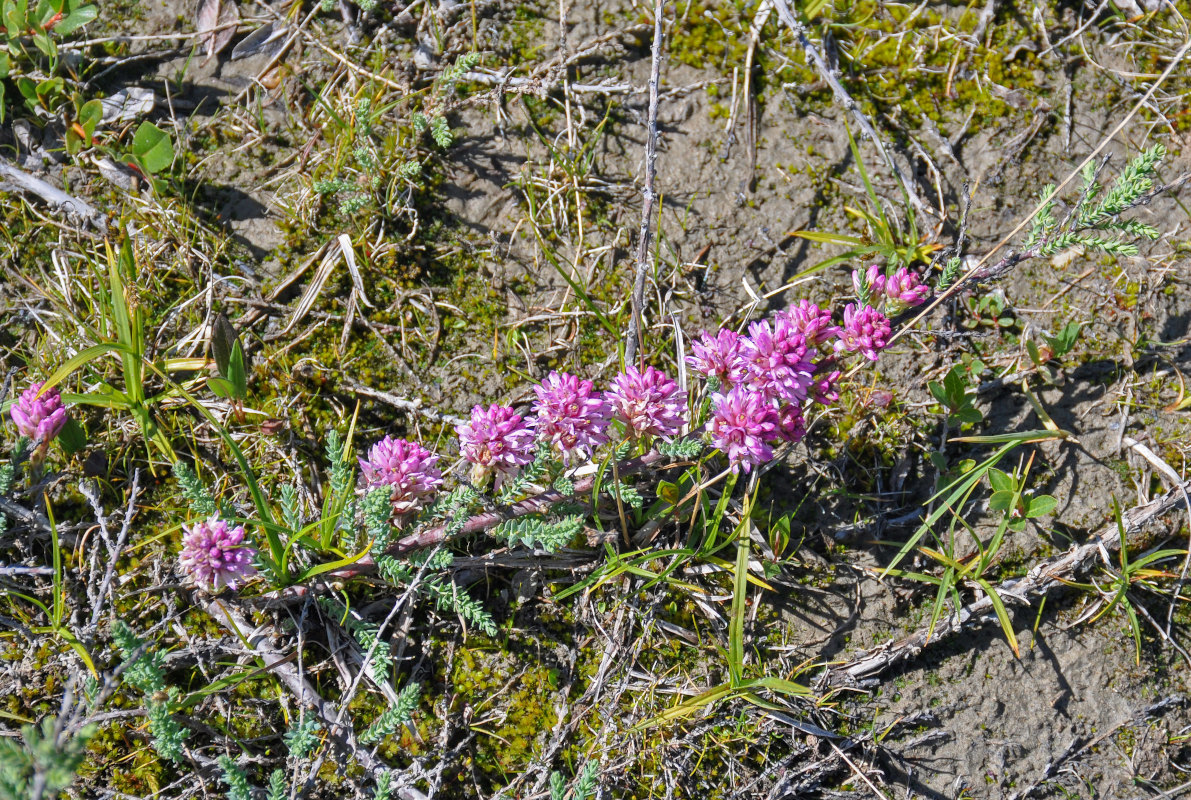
{"points": [[647, 192], [844, 99]]}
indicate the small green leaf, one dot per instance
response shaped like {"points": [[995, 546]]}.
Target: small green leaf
{"points": [[75, 20], [1035, 356], [152, 147], [967, 414], [1001, 481], [1041, 505], [90, 115], [955, 387], [936, 389], [1002, 501]]}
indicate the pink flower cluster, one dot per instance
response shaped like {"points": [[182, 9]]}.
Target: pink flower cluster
{"points": [[408, 469], [215, 554], [767, 377], [39, 418], [764, 382], [569, 415]]}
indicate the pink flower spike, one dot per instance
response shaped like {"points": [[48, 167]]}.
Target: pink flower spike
{"points": [[791, 426], [410, 469], [775, 360], [39, 418], [742, 423], [496, 441], [906, 287], [718, 355], [215, 555], [571, 417], [812, 322], [865, 330], [873, 277], [648, 403]]}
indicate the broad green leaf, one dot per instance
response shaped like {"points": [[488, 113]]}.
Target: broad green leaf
{"points": [[223, 336], [72, 437], [90, 115], [222, 387], [153, 147], [1002, 501], [1000, 481], [237, 372]]}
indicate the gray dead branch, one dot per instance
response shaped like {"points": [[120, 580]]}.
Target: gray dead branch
{"points": [[1044, 576], [74, 208]]}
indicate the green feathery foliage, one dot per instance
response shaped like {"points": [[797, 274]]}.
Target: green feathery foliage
{"points": [[627, 494], [949, 275], [376, 509], [278, 786], [291, 513], [681, 449], [342, 471], [365, 634], [538, 533], [383, 790], [7, 474], [564, 485], [144, 673], [446, 595], [302, 738], [530, 475], [454, 507], [1096, 224], [394, 717], [40, 751], [238, 787], [585, 784], [194, 490]]}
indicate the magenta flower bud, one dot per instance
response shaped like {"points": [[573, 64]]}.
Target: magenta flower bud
{"points": [[775, 360], [718, 355], [742, 423], [496, 441], [866, 331], [39, 418], [823, 390], [648, 403], [906, 287], [873, 277], [408, 468], [571, 416], [215, 555], [791, 426], [812, 322]]}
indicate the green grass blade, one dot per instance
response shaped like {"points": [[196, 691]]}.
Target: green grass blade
{"points": [[739, 604], [1002, 615]]}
